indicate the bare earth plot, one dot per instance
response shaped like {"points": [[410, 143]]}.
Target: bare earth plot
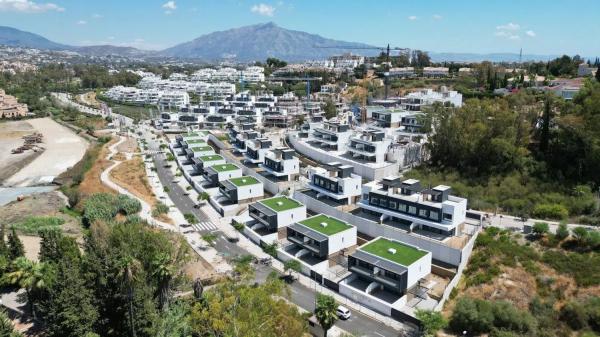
{"points": [[10, 138], [63, 149]]}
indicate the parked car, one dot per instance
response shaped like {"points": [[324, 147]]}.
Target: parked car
{"points": [[343, 312]]}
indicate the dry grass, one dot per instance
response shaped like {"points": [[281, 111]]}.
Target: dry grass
{"points": [[119, 156], [91, 182], [129, 145], [131, 175]]}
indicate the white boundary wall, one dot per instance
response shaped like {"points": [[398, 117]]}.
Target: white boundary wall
{"points": [[365, 171]]}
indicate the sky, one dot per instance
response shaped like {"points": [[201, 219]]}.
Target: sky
{"points": [[544, 27]]}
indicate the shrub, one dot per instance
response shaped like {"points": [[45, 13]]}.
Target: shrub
{"points": [[550, 211], [35, 224], [191, 218], [574, 315], [541, 228], [271, 249], [159, 209], [237, 225], [480, 316], [562, 232], [128, 205], [432, 321]]}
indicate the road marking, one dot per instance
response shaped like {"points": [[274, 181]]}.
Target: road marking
{"points": [[377, 333]]}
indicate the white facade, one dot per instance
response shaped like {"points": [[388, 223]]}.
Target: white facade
{"points": [[435, 72], [222, 176], [335, 184], [342, 240], [415, 100]]}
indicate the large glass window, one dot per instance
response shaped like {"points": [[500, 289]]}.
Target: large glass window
{"points": [[402, 207], [412, 210], [433, 215], [447, 216], [423, 213]]}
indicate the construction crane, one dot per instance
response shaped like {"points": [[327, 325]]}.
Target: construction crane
{"points": [[386, 50], [306, 79]]}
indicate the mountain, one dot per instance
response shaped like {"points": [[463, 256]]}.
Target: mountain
{"points": [[104, 50], [258, 42], [493, 57], [17, 38]]}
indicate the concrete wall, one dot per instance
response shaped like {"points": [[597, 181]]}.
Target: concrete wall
{"points": [[250, 191], [222, 176], [362, 170], [286, 218], [439, 250], [364, 298], [342, 240], [418, 270]]}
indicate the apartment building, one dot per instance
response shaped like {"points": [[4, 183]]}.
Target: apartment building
{"points": [[369, 145], [321, 236], [276, 118], [389, 265], [436, 72], [239, 144], [201, 162], [196, 151], [218, 89], [333, 136], [282, 163], [335, 181], [412, 207], [404, 72], [174, 99], [276, 213], [241, 190], [256, 149], [217, 173], [415, 101], [10, 107]]}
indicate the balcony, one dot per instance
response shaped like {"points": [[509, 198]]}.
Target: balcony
{"points": [[313, 248]]}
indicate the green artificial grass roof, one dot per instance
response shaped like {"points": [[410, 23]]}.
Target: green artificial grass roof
{"points": [[195, 141], [405, 255], [225, 167], [211, 157], [279, 204], [333, 226], [201, 148], [243, 181]]}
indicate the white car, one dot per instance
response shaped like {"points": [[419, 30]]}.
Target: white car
{"points": [[343, 312]]}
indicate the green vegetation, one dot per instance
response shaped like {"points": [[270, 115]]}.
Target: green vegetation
{"points": [[104, 207], [404, 255], [225, 167], [332, 225], [326, 312], [511, 164], [195, 141], [190, 218], [541, 228], [159, 209], [6, 327], [210, 238], [280, 204], [292, 265], [212, 157], [136, 112], [34, 224], [238, 225], [243, 181], [432, 322], [270, 249]]}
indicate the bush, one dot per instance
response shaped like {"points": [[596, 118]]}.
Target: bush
{"points": [[541, 228], [104, 207], [159, 209], [190, 218], [479, 316], [237, 225], [550, 211], [432, 321], [35, 224], [562, 232], [128, 205], [574, 315]]}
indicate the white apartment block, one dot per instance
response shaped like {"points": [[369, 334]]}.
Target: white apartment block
{"points": [[369, 145], [404, 72], [436, 72], [282, 163], [414, 101], [335, 181], [174, 99], [332, 135]]}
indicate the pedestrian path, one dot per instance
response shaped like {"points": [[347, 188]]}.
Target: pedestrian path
{"points": [[203, 226]]}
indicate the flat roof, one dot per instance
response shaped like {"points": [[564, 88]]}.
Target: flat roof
{"points": [[243, 181], [225, 167], [404, 254], [201, 148], [195, 141], [280, 204], [191, 134], [211, 157], [325, 225]]}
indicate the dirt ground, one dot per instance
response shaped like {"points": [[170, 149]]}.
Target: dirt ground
{"points": [[63, 149], [129, 145], [131, 175], [91, 182], [199, 268], [10, 138]]}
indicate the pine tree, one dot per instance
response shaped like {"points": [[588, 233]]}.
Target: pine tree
{"points": [[598, 74], [15, 246]]}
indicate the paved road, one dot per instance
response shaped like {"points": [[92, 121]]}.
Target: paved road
{"points": [[358, 324]]}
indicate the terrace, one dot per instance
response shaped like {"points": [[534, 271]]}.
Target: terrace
{"points": [[225, 167], [394, 251]]}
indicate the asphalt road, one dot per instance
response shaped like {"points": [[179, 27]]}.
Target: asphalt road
{"points": [[358, 324]]}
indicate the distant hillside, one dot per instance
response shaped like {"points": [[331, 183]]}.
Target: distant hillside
{"points": [[103, 50], [17, 38], [493, 57], [258, 42]]}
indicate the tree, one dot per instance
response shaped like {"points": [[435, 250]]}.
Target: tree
{"points": [[545, 132], [330, 109], [6, 327], [326, 312], [163, 273], [541, 228], [128, 271], [580, 234], [30, 276], [55, 247], [292, 265], [598, 74], [562, 232], [15, 246], [432, 321]]}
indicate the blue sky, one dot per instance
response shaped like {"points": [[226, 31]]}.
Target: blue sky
{"points": [[479, 26]]}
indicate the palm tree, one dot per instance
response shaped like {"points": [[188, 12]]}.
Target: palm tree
{"points": [[28, 275], [163, 271], [326, 312], [128, 270]]}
